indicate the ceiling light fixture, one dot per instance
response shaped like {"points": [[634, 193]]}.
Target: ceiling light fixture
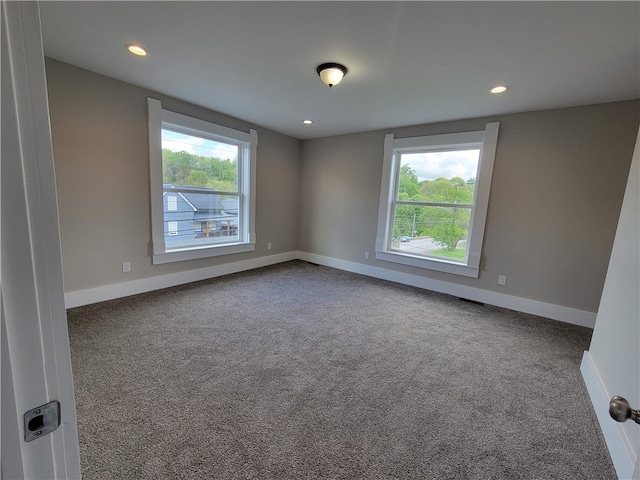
{"points": [[331, 73], [137, 50], [307, 122], [499, 89]]}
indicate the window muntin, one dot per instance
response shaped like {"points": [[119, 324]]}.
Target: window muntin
{"points": [[432, 205], [202, 178], [205, 174]]}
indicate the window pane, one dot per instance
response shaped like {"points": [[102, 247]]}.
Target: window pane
{"points": [[201, 218], [441, 177], [431, 231], [192, 161]]}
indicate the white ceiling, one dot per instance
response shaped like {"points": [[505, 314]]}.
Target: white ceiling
{"points": [[409, 62]]}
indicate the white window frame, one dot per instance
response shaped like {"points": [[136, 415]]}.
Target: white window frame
{"points": [[486, 141], [159, 119]]}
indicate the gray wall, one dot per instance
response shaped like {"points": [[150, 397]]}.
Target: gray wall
{"points": [[100, 142], [557, 188]]}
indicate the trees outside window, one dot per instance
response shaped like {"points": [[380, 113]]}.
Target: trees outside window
{"points": [[437, 209]]}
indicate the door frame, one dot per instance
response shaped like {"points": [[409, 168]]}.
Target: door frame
{"points": [[36, 363], [611, 366]]}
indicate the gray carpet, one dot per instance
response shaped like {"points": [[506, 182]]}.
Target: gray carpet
{"points": [[303, 371]]}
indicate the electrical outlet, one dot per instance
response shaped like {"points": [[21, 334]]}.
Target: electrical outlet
{"points": [[502, 279], [366, 255], [126, 267], [269, 246]]}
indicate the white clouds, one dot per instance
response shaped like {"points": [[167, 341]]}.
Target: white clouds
{"points": [[179, 142], [432, 165]]}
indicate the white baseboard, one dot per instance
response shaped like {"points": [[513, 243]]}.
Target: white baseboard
{"points": [[622, 455], [133, 287], [525, 305]]}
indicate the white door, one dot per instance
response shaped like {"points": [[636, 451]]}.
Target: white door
{"points": [[36, 366], [612, 364]]}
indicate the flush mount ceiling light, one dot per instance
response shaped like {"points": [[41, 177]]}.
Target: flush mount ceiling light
{"points": [[307, 122], [331, 73], [137, 50], [499, 89]]}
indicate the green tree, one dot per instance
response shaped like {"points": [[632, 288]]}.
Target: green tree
{"points": [[462, 192], [185, 169], [446, 225], [439, 190], [176, 167], [448, 235], [405, 219], [198, 178], [408, 186], [408, 189]]}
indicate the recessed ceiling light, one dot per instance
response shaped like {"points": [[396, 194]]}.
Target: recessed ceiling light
{"points": [[307, 122], [499, 89], [137, 50]]}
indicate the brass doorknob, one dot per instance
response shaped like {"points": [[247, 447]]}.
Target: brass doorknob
{"points": [[621, 411]]}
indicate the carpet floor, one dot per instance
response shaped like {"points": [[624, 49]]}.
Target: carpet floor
{"points": [[299, 371]]}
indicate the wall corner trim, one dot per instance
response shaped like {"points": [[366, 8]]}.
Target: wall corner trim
{"points": [[124, 289], [524, 305], [133, 287]]}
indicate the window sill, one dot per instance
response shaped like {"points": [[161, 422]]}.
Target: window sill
{"points": [[429, 263], [203, 252]]}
